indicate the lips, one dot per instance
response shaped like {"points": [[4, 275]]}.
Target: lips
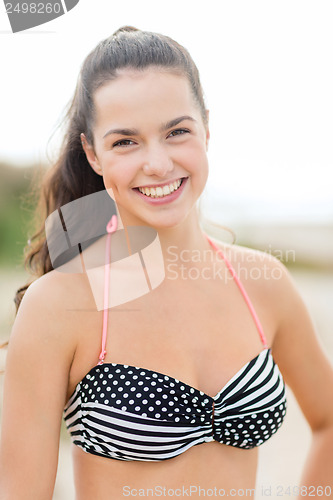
{"points": [[157, 194], [159, 191]]}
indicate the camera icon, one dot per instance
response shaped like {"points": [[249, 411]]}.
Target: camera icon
{"points": [[76, 236]]}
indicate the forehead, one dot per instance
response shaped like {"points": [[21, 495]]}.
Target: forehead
{"points": [[142, 96]]}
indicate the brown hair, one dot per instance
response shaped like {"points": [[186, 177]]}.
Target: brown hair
{"points": [[72, 177]]}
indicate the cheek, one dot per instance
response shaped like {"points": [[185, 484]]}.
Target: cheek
{"points": [[118, 174], [195, 161]]}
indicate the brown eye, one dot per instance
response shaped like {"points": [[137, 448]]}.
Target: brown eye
{"points": [[178, 131], [123, 142]]}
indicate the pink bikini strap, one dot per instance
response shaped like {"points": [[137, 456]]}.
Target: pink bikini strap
{"points": [[111, 228], [243, 291]]}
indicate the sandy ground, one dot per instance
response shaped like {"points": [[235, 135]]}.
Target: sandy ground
{"points": [[282, 457]]}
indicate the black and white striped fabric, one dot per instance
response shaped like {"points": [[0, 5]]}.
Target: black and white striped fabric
{"points": [[129, 413]]}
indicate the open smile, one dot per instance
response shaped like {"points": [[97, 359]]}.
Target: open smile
{"points": [[162, 192]]}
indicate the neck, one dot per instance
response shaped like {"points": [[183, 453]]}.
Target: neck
{"points": [[182, 244], [187, 235]]}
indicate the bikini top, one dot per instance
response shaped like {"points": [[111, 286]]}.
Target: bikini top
{"points": [[129, 413]]}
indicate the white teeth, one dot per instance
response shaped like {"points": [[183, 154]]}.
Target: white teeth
{"points": [[159, 191]]}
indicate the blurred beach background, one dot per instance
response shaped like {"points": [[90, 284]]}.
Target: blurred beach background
{"points": [[267, 76]]}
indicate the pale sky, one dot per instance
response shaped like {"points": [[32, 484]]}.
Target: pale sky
{"points": [[266, 68]]}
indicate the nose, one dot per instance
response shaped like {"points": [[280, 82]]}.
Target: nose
{"points": [[157, 161]]}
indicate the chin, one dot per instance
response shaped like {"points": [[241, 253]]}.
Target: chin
{"points": [[166, 218], [167, 222]]}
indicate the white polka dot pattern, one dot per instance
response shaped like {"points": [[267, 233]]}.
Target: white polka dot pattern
{"points": [[130, 413]]}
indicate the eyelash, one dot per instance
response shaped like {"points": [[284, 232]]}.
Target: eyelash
{"points": [[119, 143], [180, 131]]}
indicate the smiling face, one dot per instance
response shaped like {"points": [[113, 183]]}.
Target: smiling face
{"points": [[150, 145]]}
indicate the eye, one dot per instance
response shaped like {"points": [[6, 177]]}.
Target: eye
{"points": [[179, 131], [122, 143]]}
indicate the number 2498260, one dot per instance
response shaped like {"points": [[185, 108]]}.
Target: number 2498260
{"points": [[33, 8]]}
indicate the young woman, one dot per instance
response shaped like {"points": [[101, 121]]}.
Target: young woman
{"points": [[178, 386]]}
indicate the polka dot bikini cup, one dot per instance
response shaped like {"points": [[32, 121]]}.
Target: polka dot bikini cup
{"points": [[129, 413]]}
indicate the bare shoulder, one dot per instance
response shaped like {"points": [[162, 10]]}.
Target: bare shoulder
{"points": [[267, 281], [57, 291], [258, 269], [56, 285], [239, 253], [45, 314]]}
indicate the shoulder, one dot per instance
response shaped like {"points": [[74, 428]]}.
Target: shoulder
{"points": [[56, 290], [240, 253], [256, 267], [265, 278], [47, 310]]}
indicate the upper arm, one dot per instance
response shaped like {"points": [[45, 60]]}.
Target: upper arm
{"points": [[35, 384], [299, 354]]}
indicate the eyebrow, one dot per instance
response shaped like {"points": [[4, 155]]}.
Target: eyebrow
{"points": [[133, 131]]}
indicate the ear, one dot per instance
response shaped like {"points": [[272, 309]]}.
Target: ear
{"points": [[90, 154]]}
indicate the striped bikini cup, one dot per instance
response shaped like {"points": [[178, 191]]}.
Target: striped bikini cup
{"points": [[130, 413]]}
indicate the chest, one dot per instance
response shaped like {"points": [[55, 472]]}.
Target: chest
{"points": [[201, 333]]}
